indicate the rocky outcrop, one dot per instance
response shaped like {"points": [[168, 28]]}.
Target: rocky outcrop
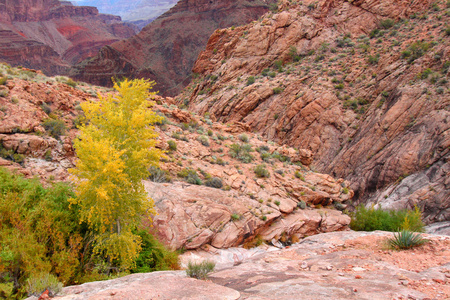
{"points": [[166, 49], [191, 216], [338, 265], [51, 35], [348, 81]]}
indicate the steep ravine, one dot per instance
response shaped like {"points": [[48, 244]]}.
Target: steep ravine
{"points": [[362, 84]]}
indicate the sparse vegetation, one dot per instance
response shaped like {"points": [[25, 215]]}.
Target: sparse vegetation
{"points": [[200, 270], [261, 171], [56, 128]]}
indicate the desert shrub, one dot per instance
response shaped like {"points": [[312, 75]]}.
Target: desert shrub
{"points": [[158, 175], [172, 145], [406, 239], [37, 284], [416, 50], [369, 219], [243, 137], [203, 140], [4, 94], [251, 80], [190, 175], [3, 80], [299, 175], [261, 171], [373, 60], [71, 82], [200, 270], [277, 90], [154, 256], [387, 23], [39, 234], [46, 108], [56, 128], [214, 182], [241, 152]]}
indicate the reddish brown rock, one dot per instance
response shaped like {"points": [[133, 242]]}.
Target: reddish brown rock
{"points": [[365, 112], [50, 35], [166, 49]]}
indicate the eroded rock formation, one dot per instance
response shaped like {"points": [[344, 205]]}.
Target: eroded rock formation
{"points": [[365, 91], [166, 49], [51, 35]]}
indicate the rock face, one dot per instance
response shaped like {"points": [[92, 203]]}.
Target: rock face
{"points": [[347, 81], [338, 265], [50, 35], [166, 49], [192, 216]]}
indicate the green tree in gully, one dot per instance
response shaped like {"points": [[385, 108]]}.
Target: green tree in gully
{"points": [[115, 147]]}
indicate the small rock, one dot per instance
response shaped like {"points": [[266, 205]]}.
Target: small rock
{"points": [[304, 265]]}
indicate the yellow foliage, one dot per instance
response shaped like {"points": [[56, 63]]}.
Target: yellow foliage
{"points": [[115, 148]]}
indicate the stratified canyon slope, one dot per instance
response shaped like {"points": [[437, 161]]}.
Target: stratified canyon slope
{"points": [[166, 49], [361, 84], [50, 35], [134, 11]]}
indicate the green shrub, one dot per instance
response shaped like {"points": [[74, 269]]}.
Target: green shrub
{"points": [[214, 182], [5, 93], [203, 140], [235, 217], [261, 171], [154, 256], [387, 23], [38, 283], [339, 86], [158, 175], [278, 90], [172, 145], [406, 239], [71, 82], [299, 176], [373, 60], [190, 175], [241, 152], [46, 108], [55, 127], [369, 219], [251, 80], [243, 137], [200, 270], [3, 80]]}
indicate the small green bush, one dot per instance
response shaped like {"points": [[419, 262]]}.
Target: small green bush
{"points": [[56, 128], [243, 137], [158, 175], [261, 171], [251, 80], [190, 175], [299, 176], [172, 145], [38, 283], [3, 80], [71, 82], [369, 219], [200, 270], [203, 140], [154, 256], [406, 239], [214, 182], [241, 152], [277, 90], [5, 93], [387, 23]]}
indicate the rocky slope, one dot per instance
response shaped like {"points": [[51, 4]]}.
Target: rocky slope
{"points": [[209, 191], [338, 265], [51, 35], [166, 49], [363, 85]]}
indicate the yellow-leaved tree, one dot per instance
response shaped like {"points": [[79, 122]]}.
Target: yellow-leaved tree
{"points": [[115, 147]]}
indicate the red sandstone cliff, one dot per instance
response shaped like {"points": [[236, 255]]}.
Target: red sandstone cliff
{"points": [[166, 49], [52, 35], [362, 84]]}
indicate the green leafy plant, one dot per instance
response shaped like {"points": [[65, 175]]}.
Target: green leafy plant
{"points": [[200, 270], [172, 145], [369, 219], [214, 182], [251, 80], [406, 239], [261, 171], [56, 128], [38, 283]]}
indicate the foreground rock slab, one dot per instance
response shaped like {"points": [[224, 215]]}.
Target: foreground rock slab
{"points": [[336, 265], [157, 285]]}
